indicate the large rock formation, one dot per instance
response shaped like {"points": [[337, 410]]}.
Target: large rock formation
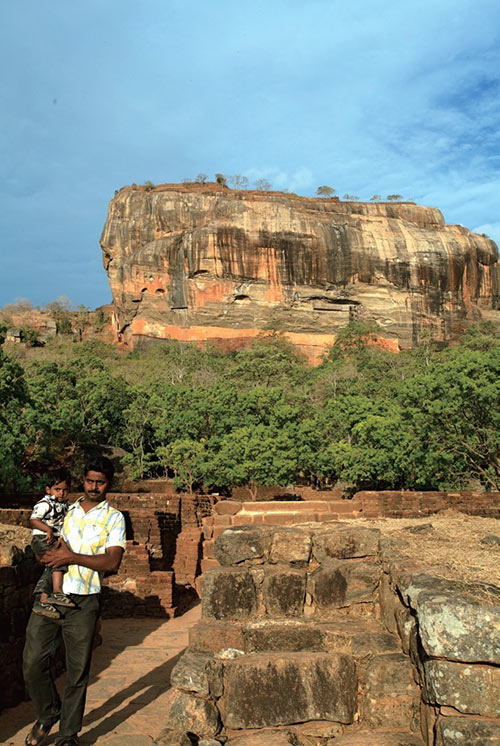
{"points": [[202, 262]]}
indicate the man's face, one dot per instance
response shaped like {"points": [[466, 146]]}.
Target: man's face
{"points": [[59, 490], [96, 485]]}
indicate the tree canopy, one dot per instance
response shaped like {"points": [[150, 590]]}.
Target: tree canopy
{"points": [[421, 419]]}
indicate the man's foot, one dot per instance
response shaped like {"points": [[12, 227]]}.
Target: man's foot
{"points": [[61, 599], [37, 734], [46, 610]]}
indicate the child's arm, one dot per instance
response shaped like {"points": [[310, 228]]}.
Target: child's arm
{"points": [[41, 526]]}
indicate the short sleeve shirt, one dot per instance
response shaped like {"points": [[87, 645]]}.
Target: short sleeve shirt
{"points": [[90, 532], [50, 511]]}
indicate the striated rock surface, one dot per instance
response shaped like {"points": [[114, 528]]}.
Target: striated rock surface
{"points": [[202, 262]]}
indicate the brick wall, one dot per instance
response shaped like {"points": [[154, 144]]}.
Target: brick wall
{"points": [[388, 504], [18, 574]]}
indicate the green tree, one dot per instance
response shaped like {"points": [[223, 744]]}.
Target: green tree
{"points": [[221, 179], [394, 197], [252, 456], [186, 458], [325, 191]]}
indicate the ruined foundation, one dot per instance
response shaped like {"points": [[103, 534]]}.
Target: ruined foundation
{"points": [[327, 635]]}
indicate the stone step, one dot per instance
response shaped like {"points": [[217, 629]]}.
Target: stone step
{"points": [[306, 735], [379, 738], [318, 686]]}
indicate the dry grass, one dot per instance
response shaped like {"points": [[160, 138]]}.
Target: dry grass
{"points": [[451, 547]]}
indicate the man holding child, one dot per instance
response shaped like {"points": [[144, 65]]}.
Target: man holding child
{"points": [[92, 542]]}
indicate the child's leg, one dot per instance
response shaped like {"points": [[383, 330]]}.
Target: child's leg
{"points": [[57, 579]]}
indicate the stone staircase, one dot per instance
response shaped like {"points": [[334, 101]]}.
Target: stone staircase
{"points": [[290, 649]]}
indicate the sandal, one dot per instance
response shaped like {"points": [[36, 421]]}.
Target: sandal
{"points": [[45, 609], [37, 734], [61, 599]]}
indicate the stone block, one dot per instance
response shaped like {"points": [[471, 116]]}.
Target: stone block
{"points": [[316, 731], [266, 738], [460, 731], [470, 689], [229, 594], [243, 544], [198, 673], [391, 698], [214, 636], [266, 690], [284, 592], [337, 583], [289, 545], [372, 738], [187, 713], [345, 543], [460, 628], [389, 603], [287, 635], [170, 737], [227, 507]]}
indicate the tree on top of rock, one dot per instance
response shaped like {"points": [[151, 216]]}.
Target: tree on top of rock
{"points": [[325, 191], [394, 197], [221, 179]]}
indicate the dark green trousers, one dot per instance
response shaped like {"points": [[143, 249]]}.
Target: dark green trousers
{"points": [[43, 636]]}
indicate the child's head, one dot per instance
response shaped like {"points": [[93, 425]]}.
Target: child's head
{"points": [[58, 484]]}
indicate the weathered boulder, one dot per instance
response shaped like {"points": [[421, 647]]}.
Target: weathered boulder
{"points": [[290, 545], [459, 731], [14, 542], [242, 544], [284, 592], [345, 543], [460, 627], [471, 689], [272, 689], [391, 696], [186, 713], [198, 673], [229, 594], [335, 584]]}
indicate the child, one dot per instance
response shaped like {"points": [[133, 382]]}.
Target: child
{"points": [[47, 519]]}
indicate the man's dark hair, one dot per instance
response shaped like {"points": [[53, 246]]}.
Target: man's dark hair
{"points": [[58, 475], [102, 465]]}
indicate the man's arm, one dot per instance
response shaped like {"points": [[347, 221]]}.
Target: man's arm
{"points": [[62, 555]]}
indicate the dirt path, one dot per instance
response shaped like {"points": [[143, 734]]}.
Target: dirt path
{"points": [[129, 680]]}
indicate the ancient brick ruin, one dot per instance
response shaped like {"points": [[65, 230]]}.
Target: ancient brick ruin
{"points": [[325, 634], [314, 628]]}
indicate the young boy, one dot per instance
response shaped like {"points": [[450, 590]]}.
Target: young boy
{"points": [[47, 519]]}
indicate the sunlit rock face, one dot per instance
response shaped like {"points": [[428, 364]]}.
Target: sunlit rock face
{"points": [[202, 262]]}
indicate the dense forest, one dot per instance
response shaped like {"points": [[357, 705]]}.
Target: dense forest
{"points": [[422, 419]]}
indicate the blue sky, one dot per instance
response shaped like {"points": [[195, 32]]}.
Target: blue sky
{"points": [[369, 97]]}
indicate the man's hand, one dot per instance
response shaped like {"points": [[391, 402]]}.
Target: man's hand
{"points": [[60, 555]]}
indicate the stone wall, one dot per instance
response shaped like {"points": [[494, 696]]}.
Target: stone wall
{"points": [[323, 635], [328, 506], [19, 572]]}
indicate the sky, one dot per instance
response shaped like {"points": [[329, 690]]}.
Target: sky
{"points": [[368, 97]]}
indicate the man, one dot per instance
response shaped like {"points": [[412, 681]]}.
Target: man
{"points": [[92, 542]]}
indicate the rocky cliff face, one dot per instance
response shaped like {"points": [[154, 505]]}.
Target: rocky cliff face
{"points": [[200, 262]]}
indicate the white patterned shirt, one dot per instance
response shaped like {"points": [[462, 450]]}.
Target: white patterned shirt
{"points": [[90, 532], [52, 512]]}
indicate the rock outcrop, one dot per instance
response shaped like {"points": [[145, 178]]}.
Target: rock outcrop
{"points": [[202, 262]]}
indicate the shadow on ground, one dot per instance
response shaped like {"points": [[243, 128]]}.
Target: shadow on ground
{"points": [[155, 681]]}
